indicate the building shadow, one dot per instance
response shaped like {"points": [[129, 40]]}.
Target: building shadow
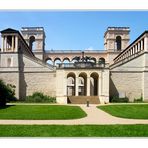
{"points": [[112, 90]]}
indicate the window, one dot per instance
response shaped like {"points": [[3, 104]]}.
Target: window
{"points": [[118, 43], [32, 42]]}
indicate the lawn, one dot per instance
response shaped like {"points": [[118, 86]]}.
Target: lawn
{"points": [[41, 112], [73, 130], [133, 111]]}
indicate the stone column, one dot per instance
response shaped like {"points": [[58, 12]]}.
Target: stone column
{"points": [[134, 50], [12, 43], [145, 43], [142, 44], [2, 42], [16, 43], [5, 43], [77, 86], [100, 85], [88, 86]]}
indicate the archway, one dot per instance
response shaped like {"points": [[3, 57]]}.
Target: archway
{"points": [[94, 84], [82, 84], [71, 84]]}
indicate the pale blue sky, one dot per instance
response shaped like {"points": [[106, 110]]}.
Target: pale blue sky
{"points": [[75, 29]]}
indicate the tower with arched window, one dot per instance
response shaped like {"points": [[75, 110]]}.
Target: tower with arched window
{"points": [[35, 38], [116, 38]]}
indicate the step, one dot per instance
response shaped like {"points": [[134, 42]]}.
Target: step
{"points": [[83, 99]]}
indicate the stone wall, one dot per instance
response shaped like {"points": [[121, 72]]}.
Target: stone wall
{"points": [[28, 75], [126, 83], [36, 77], [41, 82]]}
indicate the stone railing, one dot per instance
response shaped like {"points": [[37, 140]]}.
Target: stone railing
{"points": [[133, 50], [82, 65]]}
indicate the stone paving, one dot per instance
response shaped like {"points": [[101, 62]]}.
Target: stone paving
{"points": [[94, 116]]}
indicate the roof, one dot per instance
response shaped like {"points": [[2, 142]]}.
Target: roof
{"points": [[9, 30], [117, 29]]}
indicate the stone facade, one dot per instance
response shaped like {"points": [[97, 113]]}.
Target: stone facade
{"points": [[120, 70]]}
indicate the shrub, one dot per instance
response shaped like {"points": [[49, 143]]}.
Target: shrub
{"points": [[138, 100], [7, 93], [119, 100], [40, 97]]}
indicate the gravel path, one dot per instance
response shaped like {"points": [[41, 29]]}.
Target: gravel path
{"points": [[94, 116]]}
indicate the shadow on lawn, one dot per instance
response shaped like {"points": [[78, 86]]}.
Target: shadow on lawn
{"points": [[7, 106]]}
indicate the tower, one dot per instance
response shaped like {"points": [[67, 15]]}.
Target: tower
{"points": [[35, 38], [116, 39]]}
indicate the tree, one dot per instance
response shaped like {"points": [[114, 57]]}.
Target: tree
{"points": [[7, 93]]}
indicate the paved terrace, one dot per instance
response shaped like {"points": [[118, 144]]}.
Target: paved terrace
{"points": [[94, 116]]}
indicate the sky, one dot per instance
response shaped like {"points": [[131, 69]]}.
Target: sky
{"points": [[75, 30]]}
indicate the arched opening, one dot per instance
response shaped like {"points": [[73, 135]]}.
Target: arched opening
{"points": [[32, 43], [57, 62], [9, 62], [93, 60], [66, 60], [118, 43], [102, 61], [73, 60], [94, 84], [49, 61], [82, 84], [71, 84]]}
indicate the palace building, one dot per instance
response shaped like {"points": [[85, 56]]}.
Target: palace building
{"points": [[74, 76]]}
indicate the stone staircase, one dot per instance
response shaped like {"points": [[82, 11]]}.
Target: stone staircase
{"points": [[83, 99]]}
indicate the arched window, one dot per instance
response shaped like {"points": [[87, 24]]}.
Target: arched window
{"points": [[57, 62], [32, 42], [49, 61], [102, 62], [118, 43]]}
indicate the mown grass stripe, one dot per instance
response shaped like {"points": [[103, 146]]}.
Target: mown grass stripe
{"points": [[73, 130]]}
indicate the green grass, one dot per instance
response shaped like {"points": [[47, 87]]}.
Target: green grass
{"points": [[73, 130], [41, 112], [133, 111]]}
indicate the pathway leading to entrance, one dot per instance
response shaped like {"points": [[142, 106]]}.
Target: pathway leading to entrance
{"points": [[94, 116]]}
